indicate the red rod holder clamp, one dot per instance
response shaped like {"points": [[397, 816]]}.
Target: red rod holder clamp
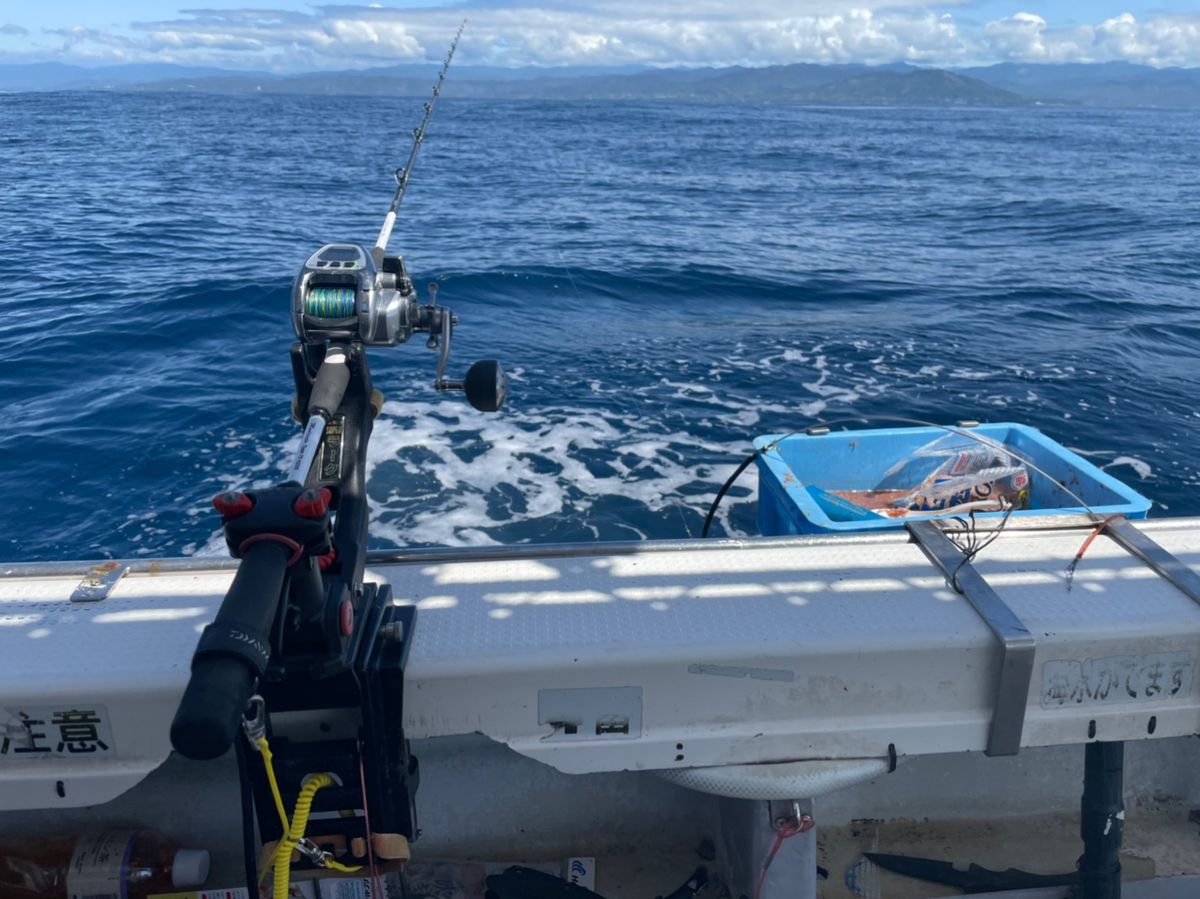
{"points": [[313, 502], [233, 504]]}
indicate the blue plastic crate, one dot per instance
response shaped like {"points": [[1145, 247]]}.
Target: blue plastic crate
{"points": [[856, 460]]}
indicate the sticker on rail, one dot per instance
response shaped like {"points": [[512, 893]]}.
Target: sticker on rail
{"points": [[1116, 679], [55, 731]]}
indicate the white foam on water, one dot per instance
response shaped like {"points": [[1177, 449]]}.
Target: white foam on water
{"points": [[822, 388], [684, 390], [440, 473], [1142, 469], [635, 462], [967, 374], [521, 467]]}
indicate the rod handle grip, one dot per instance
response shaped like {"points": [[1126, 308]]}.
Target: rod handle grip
{"points": [[231, 656], [330, 384]]}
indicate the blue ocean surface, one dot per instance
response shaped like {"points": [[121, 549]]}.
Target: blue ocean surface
{"points": [[664, 282]]}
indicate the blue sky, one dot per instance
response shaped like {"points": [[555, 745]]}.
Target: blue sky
{"points": [[284, 35]]}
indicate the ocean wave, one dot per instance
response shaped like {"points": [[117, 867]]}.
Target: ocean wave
{"points": [[664, 285]]}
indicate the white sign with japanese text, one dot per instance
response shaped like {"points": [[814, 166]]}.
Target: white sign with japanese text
{"points": [[32, 732], [1115, 679]]}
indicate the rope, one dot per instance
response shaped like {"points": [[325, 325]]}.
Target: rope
{"points": [[1096, 532], [787, 831], [362, 779], [264, 749]]}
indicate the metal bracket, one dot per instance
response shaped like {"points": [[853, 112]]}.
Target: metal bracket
{"points": [[1160, 561], [788, 812], [1017, 643], [99, 582], [363, 745]]}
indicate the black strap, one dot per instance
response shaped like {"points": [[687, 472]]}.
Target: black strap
{"points": [[237, 641]]}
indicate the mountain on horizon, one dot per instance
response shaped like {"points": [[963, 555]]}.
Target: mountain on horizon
{"points": [[1097, 84], [896, 84], [54, 76]]}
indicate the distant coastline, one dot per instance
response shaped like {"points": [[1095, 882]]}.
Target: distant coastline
{"points": [[1004, 85]]}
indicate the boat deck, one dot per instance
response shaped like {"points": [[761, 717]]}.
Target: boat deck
{"points": [[549, 690]]}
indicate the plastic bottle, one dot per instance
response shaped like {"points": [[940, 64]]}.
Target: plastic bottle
{"points": [[112, 864]]}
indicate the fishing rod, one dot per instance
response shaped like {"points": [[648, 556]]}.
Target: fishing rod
{"points": [[305, 658], [326, 297], [402, 173]]}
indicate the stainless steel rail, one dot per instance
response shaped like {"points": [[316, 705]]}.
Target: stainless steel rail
{"points": [[1017, 643]]}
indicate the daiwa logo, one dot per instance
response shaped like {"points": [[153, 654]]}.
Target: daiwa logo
{"points": [[580, 871], [251, 641]]}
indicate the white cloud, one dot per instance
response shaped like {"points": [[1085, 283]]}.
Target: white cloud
{"points": [[652, 32], [176, 40], [1160, 41], [1018, 35], [93, 44], [386, 39], [1167, 40]]}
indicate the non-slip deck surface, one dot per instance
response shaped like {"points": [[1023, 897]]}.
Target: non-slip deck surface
{"points": [[706, 654]]}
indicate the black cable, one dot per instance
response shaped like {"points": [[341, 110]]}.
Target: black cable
{"points": [[712, 510], [974, 545], [249, 850]]}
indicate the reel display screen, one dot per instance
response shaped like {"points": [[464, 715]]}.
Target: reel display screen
{"points": [[339, 254]]}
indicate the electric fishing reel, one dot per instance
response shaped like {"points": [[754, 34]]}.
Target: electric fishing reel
{"points": [[341, 296]]}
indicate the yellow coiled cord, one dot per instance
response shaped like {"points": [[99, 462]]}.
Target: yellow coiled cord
{"points": [[293, 833]]}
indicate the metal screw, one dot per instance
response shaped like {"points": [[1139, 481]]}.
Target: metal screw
{"points": [[393, 631]]}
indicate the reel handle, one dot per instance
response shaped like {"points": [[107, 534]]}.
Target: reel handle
{"points": [[486, 384]]}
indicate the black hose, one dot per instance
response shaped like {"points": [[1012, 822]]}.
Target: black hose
{"points": [[712, 510], [249, 849]]}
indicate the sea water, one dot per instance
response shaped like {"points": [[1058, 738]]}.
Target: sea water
{"points": [[664, 282]]}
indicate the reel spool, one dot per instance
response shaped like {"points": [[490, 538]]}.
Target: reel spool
{"points": [[339, 295]]}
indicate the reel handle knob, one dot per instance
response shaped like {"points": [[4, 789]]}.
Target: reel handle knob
{"points": [[486, 385]]}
